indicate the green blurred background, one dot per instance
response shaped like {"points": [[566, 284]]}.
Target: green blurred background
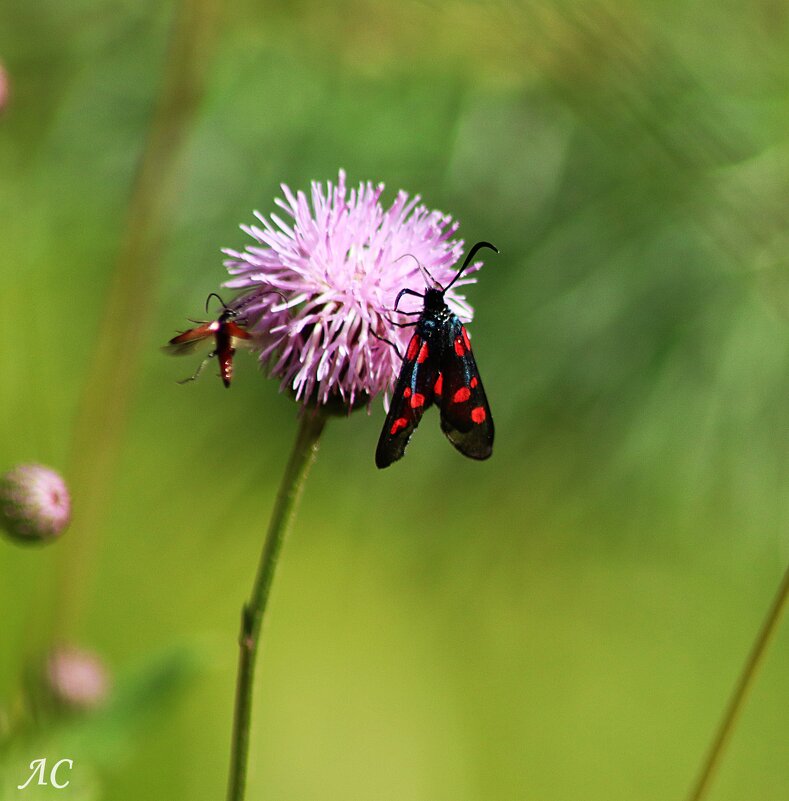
{"points": [[564, 621]]}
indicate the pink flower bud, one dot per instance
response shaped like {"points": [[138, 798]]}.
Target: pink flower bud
{"points": [[34, 503], [4, 88]]}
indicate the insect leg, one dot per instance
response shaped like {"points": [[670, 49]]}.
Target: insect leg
{"points": [[388, 342], [405, 292], [199, 369], [401, 325]]}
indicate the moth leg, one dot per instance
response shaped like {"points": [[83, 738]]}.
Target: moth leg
{"points": [[199, 369], [406, 292], [388, 342]]}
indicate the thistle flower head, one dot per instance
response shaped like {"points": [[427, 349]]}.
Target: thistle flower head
{"points": [[319, 287], [34, 503], [76, 679]]}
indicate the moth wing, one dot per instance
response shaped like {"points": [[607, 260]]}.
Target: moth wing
{"points": [[412, 395], [465, 415], [188, 341], [235, 331]]}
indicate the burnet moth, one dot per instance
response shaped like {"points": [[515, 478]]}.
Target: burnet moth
{"points": [[227, 332], [439, 368]]}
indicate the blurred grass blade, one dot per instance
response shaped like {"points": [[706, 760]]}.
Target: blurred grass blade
{"points": [[102, 413]]}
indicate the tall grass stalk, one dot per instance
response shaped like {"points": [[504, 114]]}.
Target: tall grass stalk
{"points": [[742, 687], [109, 385]]}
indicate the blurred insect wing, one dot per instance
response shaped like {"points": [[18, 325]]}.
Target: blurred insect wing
{"points": [[188, 341]]}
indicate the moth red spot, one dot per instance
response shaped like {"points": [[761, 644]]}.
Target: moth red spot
{"points": [[439, 385], [462, 395], [466, 340], [413, 347], [460, 348], [473, 381], [478, 414], [401, 422], [418, 400], [407, 392], [423, 353]]}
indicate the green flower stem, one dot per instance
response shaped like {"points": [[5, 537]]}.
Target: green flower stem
{"points": [[744, 683], [301, 459]]}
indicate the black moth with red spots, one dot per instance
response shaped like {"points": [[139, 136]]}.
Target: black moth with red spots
{"points": [[438, 368]]}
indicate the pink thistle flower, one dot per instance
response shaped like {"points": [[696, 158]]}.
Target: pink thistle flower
{"points": [[34, 503], [319, 288]]}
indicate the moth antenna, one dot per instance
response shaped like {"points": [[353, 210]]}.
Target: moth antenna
{"points": [[467, 260], [421, 267], [273, 292], [399, 258], [214, 295]]}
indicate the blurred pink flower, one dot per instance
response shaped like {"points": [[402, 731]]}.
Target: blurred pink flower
{"points": [[77, 678], [319, 288], [5, 88], [34, 503]]}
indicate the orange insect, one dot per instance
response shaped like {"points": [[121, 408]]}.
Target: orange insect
{"points": [[228, 333]]}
